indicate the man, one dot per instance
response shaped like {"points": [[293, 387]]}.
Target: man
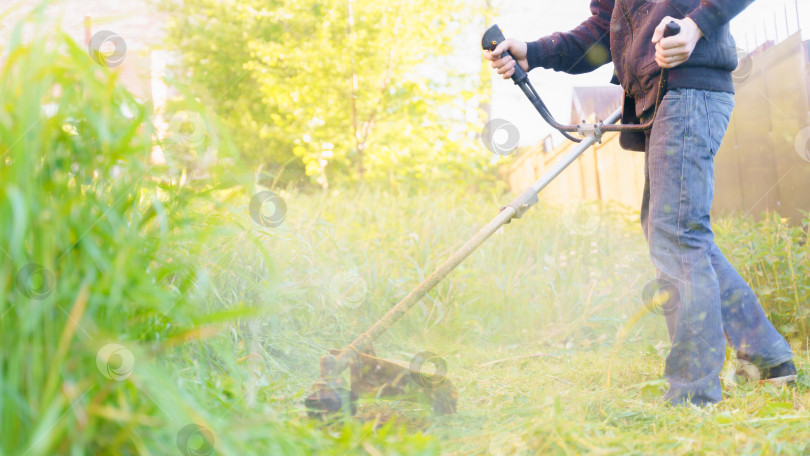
{"points": [[707, 298]]}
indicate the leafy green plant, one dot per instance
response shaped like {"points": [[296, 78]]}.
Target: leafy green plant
{"points": [[118, 292], [527, 325], [89, 228]]}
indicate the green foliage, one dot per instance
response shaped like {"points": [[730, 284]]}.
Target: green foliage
{"points": [[101, 245], [556, 285], [544, 299], [338, 91], [773, 257], [89, 230], [537, 277]]}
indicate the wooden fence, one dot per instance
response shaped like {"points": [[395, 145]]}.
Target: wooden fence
{"points": [[763, 164]]}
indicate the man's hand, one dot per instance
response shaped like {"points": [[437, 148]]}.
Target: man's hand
{"points": [[506, 65], [674, 50]]}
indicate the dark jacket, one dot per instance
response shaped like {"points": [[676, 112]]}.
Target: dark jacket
{"points": [[622, 30]]}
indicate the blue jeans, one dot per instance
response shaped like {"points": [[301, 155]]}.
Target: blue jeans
{"points": [[710, 301]]}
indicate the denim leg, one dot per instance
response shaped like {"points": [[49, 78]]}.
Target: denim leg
{"points": [[747, 327], [670, 317], [681, 187]]}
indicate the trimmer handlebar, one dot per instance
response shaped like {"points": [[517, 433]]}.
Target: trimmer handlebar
{"points": [[494, 36], [672, 29], [385, 377]]}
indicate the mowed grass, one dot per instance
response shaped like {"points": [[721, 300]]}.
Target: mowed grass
{"points": [[561, 404], [553, 290]]}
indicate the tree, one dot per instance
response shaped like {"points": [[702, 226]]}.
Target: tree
{"points": [[336, 90]]}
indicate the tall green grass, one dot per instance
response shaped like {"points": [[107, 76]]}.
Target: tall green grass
{"points": [[774, 257], [90, 233], [101, 245], [544, 299]]}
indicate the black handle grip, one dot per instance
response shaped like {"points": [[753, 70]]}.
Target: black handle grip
{"points": [[672, 29], [491, 39]]}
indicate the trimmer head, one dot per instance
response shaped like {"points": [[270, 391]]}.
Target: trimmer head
{"points": [[381, 378]]}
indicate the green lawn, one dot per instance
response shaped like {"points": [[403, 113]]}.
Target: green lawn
{"points": [[561, 404], [551, 285]]}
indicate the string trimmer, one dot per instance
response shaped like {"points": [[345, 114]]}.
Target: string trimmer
{"points": [[380, 377]]}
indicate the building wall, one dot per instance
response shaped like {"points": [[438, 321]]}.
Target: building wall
{"points": [[138, 22]]}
